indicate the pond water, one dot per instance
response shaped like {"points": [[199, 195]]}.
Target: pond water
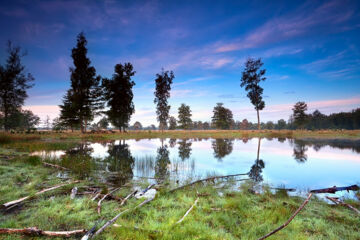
{"points": [[301, 164]]}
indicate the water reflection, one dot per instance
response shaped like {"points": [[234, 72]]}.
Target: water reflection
{"points": [[222, 147], [162, 162], [184, 149], [300, 151], [255, 173]]}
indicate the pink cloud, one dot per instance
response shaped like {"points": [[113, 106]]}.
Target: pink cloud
{"points": [[42, 111]]}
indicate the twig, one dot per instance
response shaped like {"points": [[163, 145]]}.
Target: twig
{"points": [[105, 196], [206, 179], [54, 165], [335, 189], [96, 196], [187, 212], [127, 197], [38, 232], [337, 201], [289, 220], [5, 205]]}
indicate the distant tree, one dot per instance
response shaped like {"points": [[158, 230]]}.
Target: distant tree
{"points": [[184, 116], [223, 117], [300, 152], [163, 83], [14, 82], [103, 123], [137, 126], [57, 124], [269, 125], [300, 117], [172, 123], [251, 77], [152, 127], [206, 125], [119, 96], [317, 120], [83, 99], [28, 119], [244, 125], [47, 123], [281, 124]]}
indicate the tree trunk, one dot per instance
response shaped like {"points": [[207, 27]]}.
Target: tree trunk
{"points": [[258, 117], [258, 150], [85, 125]]}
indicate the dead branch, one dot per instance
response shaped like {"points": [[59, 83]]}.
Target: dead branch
{"points": [[127, 197], [187, 212], [96, 196], [55, 166], [337, 201], [105, 196], [289, 220], [8, 204], [335, 189], [34, 231], [207, 179]]}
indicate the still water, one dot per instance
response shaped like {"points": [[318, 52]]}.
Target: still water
{"points": [[301, 164]]}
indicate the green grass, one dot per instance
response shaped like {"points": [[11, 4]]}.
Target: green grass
{"points": [[231, 215]]}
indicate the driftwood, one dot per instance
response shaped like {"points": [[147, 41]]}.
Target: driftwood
{"points": [[54, 165], [105, 196], [335, 189], [187, 212], [34, 231], [289, 220], [8, 204], [337, 201], [127, 197], [206, 179], [96, 196]]}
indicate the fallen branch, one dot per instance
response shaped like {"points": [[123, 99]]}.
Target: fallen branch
{"points": [[54, 165], [127, 197], [289, 220], [206, 179], [96, 196], [105, 196], [34, 231], [187, 212], [8, 204], [335, 189], [337, 201]]}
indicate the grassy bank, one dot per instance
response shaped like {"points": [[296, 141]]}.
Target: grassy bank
{"points": [[76, 136], [221, 213]]}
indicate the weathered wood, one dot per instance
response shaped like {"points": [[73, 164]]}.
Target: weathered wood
{"points": [[337, 201], [8, 204], [105, 196], [73, 192], [34, 231], [55, 166], [289, 220], [96, 196], [187, 212], [127, 197], [207, 179], [335, 189]]}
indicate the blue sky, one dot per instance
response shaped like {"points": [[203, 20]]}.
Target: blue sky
{"points": [[310, 49]]}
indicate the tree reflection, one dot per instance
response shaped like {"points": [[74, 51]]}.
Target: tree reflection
{"points": [[184, 149], [222, 147], [300, 151], [162, 162], [172, 142], [79, 160], [121, 162], [256, 169]]}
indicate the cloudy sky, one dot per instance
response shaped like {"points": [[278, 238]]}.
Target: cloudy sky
{"points": [[311, 50]]}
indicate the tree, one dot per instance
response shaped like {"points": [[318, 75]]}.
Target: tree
{"points": [[184, 116], [269, 125], [256, 169], [137, 126], [223, 117], [83, 99], [244, 125], [163, 83], [47, 123], [119, 96], [206, 126], [300, 117], [103, 123], [24, 119], [14, 81], [57, 124], [172, 123], [251, 77], [281, 124]]}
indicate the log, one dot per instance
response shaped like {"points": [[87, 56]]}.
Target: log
{"points": [[54, 166], [105, 196], [335, 189], [337, 201], [206, 179], [34, 231], [187, 212], [290, 219], [8, 204]]}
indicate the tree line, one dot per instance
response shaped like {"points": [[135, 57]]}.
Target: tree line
{"points": [[91, 95]]}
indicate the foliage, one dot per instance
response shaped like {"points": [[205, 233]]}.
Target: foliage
{"points": [[22, 120], [223, 117], [172, 123], [163, 83], [137, 126], [83, 100], [299, 114], [184, 116], [222, 147], [119, 95], [251, 77], [14, 81], [103, 123]]}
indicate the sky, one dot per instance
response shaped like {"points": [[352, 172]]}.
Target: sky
{"points": [[310, 50]]}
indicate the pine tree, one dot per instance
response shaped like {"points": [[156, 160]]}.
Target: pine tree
{"points": [[119, 96], [184, 116], [223, 117], [300, 117]]}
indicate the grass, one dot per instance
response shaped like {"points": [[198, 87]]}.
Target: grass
{"points": [[229, 215]]}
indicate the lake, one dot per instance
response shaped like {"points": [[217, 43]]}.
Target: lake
{"points": [[301, 164]]}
